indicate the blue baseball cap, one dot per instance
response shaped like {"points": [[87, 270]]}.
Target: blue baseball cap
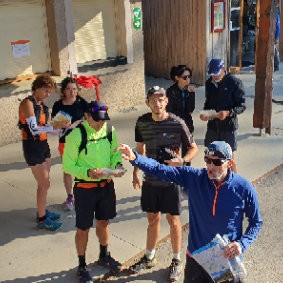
{"points": [[220, 149], [215, 66]]}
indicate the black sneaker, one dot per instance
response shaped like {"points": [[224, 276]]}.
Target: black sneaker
{"points": [[109, 262], [84, 275], [175, 270], [143, 263]]}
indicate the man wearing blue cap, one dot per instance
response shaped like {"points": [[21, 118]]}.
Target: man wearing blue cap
{"points": [[224, 93], [218, 200]]}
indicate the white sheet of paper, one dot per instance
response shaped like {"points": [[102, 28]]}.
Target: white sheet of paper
{"points": [[20, 50]]}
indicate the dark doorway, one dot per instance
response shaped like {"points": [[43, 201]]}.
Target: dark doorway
{"points": [[249, 33]]}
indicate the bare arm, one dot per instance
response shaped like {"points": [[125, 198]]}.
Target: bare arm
{"points": [[191, 152], [28, 111], [140, 148]]}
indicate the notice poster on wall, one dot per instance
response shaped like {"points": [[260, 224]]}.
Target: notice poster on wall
{"points": [[217, 15], [21, 48]]}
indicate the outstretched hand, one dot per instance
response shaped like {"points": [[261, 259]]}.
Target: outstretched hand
{"points": [[174, 162], [127, 152]]}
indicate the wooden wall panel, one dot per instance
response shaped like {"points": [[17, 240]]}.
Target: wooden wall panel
{"points": [[175, 33]]}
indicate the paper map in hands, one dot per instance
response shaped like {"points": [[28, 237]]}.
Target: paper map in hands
{"points": [[212, 260]]}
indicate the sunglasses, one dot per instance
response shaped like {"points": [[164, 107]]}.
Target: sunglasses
{"points": [[186, 77], [215, 162], [99, 108]]}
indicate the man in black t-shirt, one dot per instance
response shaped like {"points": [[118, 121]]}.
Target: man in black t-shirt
{"points": [[161, 136]]}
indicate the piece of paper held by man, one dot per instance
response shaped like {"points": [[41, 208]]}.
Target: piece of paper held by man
{"points": [[111, 172], [210, 114], [211, 258]]}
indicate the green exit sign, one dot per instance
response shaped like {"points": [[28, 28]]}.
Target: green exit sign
{"points": [[137, 18]]}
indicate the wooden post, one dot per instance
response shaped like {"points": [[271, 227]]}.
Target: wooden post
{"points": [[264, 68]]}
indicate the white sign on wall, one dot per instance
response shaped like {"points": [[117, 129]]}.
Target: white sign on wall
{"points": [[21, 48]]}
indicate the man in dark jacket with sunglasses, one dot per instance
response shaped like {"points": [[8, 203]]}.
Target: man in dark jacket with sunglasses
{"points": [[219, 200], [225, 95]]}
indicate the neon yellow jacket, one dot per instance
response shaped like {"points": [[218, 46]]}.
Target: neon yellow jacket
{"points": [[100, 153]]}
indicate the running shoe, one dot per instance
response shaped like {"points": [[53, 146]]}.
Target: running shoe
{"points": [[175, 270], [69, 203], [49, 225], [143, 263], [109, 262], [84, 275], [51, 215]]}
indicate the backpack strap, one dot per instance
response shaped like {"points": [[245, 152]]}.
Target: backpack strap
{"points": [[109, 133], [84, 136]]}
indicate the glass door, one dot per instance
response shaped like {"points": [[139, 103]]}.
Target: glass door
{"points": [[235, 35]]}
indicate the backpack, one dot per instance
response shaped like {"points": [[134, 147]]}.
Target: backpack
{"points": [[84, 137], [37, 112]]}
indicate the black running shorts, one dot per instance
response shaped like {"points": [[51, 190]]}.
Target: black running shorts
{"points": [[35, 151], [97, 202], [164, 199]]}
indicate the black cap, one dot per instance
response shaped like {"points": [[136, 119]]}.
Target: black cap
{"points": [[98, 110], [156, 89]]}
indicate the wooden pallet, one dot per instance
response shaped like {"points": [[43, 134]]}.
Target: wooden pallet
{"points": [[21, 78]]}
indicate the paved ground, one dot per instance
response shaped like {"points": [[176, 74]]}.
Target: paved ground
{"points": [[264, 258], [28, 255]]}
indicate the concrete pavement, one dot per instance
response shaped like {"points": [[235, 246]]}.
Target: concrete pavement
{"points": [[28, 255]]}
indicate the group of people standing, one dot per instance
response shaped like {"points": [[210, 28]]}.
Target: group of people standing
{"points": [[218, 197]]}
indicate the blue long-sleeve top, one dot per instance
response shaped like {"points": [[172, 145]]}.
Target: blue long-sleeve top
{"points": [[236, 198]]}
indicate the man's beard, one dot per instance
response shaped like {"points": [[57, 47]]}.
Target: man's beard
{"points": [[218, 176]]}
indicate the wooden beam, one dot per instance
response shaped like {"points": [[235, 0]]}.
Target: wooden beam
{"points": [[264, 70]]}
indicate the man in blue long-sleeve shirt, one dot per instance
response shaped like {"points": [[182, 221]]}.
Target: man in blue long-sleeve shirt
{"points": [[219, 199]]}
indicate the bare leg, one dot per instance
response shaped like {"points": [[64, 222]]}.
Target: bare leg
{"points": [[153, 230], [81, 240], [42, 177], [102, 231], [68, 183], [175, 232], [234, 166]]}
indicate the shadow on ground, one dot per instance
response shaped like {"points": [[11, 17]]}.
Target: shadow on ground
{"points": [[21, 223]]}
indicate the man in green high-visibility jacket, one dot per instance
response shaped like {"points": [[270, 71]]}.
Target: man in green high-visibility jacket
{"points": [[93, 189]]}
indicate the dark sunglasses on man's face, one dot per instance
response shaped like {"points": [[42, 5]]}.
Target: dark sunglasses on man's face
{"points": [[186, 77], [215, 162], [99, 108]]}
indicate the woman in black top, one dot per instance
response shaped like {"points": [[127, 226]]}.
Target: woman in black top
{"points": [[181, 95], [76, 107]]}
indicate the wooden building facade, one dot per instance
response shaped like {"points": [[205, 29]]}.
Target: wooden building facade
{"points": [[175, 33], [192, 32]]}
